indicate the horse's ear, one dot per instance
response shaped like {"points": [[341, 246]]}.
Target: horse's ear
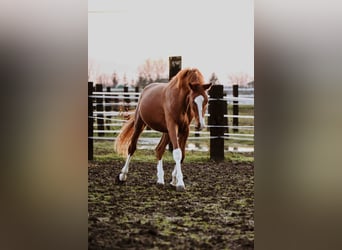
{"points": [[186, 72], [207, 86], [194, 86]]}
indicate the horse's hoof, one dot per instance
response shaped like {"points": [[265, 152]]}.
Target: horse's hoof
{"points": [[173, 183], [120, 180], [180, 188], [160, 185], [122, 177]]}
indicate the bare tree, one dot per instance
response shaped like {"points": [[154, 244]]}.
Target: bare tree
{"points": [[115, 79], [104, 79], [146, 70], [124, 80], [240, 78], [152, 70], [213, 79], [159, 68], [141, 82]]}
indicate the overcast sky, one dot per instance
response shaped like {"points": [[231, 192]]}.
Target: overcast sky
{"points": [[211, 35]]}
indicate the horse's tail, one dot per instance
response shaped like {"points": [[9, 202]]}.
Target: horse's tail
{"points": [[124, 138]]}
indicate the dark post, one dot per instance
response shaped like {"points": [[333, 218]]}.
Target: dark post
{"points": [[90, 121], [235, 107], [217, 109], [226, 129], [126, 99], [116, 103], [99, 108], [175, 65], [108, 106], [137, 90]]}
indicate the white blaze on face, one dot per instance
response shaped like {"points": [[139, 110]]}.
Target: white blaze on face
{"points": [[199, 102]]}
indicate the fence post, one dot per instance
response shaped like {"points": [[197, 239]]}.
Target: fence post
{"points": [[235, 108], [126, 99], [175, 65], [217, 109], [99, 108], [116, 103], [108, 107], [90, 121], [137, 90]]}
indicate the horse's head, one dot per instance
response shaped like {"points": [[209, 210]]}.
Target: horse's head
{"points": [[193, 80], [199, 98]]}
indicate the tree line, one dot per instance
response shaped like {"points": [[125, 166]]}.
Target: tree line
{"points": [[153, 71]]}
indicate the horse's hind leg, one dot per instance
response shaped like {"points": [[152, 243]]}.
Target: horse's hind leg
{"points": [[160, 149], [138, 128]]}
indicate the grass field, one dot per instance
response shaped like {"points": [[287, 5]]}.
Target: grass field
{"points": [[104, 152]]}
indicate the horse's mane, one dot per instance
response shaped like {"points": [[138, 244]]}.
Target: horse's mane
{"points": [[186, 76]]}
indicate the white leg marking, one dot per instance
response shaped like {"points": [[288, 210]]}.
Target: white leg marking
{"points": [[174, 178], [199, 102], [124, 170], [160, 172], [177, 172]]}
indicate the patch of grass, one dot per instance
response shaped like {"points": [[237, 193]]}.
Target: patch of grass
{"points": [[240, 157], [104, 152]]}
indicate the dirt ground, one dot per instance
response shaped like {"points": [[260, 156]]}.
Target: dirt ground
{"points": [[215, 211]]}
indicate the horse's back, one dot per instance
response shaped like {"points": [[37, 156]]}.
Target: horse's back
{"points": [[154, 87], [153, 90]]}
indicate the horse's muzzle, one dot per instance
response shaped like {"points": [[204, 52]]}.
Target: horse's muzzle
{"points": [[200, 126]]}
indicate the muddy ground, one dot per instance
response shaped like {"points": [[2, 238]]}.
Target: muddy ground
{"points": [[215, 211]]}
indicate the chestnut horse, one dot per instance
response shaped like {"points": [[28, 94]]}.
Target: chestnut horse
{"points": [[167, 108]]}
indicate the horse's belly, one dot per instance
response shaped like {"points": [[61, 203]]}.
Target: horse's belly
{"points": [[154, 122], [153, 116], [157, 126]]}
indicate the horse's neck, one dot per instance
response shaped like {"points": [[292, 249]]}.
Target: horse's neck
{"points": [[187, 105], [180, 98]]}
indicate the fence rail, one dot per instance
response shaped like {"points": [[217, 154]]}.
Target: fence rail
{"points": [[108, 111]]}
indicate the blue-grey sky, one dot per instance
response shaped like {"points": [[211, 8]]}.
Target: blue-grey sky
{"points": [[211, 35]]}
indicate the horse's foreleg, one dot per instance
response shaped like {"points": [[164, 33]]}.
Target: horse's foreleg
{"points": [[177, 175], [160, 149], [174, 177], [177, 172], [182, 137]]}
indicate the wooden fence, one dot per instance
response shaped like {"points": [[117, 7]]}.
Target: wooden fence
{"points": [[108, 109]]}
